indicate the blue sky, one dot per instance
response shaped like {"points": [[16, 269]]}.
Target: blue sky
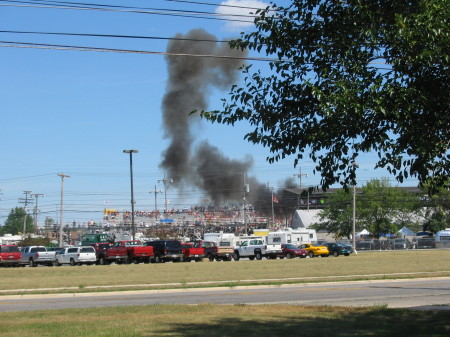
{"points": [[74, 112]]}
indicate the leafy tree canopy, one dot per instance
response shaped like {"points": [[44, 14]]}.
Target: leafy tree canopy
{"points": [[14, 223], [380, 208], [350, 77]]}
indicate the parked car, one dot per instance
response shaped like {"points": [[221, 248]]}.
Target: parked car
{"points": [[76, 256], [214, 252], [101, 252], [315, 250], [339, 248], [37, 255], [128, 251], [190, 252], [251, 248], [166, 250], [10, 255], [290, 251]]}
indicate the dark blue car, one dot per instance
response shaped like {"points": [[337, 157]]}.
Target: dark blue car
{"points": [[338, 248]]}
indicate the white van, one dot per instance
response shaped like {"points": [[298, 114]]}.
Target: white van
{"points": [[76, 256]]}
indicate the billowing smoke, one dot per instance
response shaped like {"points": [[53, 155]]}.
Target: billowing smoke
{"points": [[191, 80]]}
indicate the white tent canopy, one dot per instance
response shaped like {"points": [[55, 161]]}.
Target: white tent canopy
{"points": [[363, 232], [406, 232]]}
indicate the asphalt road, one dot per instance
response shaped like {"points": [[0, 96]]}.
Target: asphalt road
{"points": [[417, 293]]}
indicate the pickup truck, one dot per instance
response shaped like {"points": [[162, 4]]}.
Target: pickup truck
{"points": [[37, 255], [9, 255], [192, 252], [129, 252], [214, 252], [273, 250], [251, 248], [101, 251]]}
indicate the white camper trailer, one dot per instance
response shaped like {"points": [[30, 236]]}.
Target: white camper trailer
{"points": [[293, 236], [221, 239]]}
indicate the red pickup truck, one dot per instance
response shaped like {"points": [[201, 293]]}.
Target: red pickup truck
{"points": [[129, 252], [192, 253], [101, 251], [213, 252], [10, 255]]}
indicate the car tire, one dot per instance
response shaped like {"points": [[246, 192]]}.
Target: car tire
{"points": [[288, 256], [158, 259], [32, 263], [236, 257], [311, 255], [335, 253], [210, 257], [72, 262], [258, 255], [102, 261]]}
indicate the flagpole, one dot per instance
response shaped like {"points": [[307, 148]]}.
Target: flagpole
{"points": [[273, 216]]}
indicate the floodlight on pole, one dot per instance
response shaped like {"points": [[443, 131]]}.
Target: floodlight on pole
{"points": [[130, 152]]}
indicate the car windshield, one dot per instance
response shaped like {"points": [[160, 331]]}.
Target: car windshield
{"points": [[290, 246], [9, 249], [87, 250], [173, 244]]}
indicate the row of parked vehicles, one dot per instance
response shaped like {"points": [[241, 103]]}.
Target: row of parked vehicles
{"points": [[133, 251]]}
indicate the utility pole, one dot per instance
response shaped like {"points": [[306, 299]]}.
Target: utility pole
{"points": [[165, 182], [35, 213], [61, 210], [300, 175], [246, 190], [155, 191], [273, 214], [25, 201]]}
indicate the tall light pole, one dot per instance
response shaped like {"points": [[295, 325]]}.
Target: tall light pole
{"points": [[355, 166], [165, 182], [61, 210], [133, 232]]}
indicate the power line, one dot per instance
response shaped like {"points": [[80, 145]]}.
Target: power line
{"points": [[211, 4], [134, 10], [114, 36], [15, 44]]}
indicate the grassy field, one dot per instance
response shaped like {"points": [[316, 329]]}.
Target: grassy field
{"points": [[225, 320], [373, 265]]}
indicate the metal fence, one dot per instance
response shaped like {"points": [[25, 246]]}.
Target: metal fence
{"points": [[401, 244]]}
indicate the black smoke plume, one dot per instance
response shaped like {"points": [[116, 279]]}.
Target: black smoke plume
{"points": [[191, 80]]}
